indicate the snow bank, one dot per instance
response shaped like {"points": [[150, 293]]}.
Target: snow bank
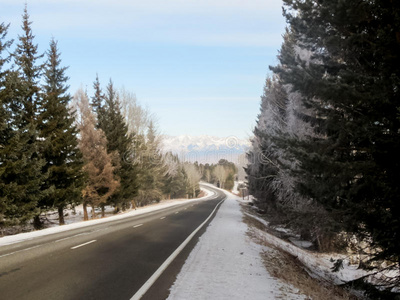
{"points": [[319, 264], [12, 239], [226, 263]]}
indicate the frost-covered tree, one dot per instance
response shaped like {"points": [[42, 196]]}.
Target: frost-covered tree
{"points": [[338, 143], [193, 177], [151, 167], [175, 181], [353, 86]]}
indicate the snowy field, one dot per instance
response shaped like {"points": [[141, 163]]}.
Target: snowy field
{"points": [[226, 264]]}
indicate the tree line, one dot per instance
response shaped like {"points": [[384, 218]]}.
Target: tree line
{"points": [[223, 174], [58, 151], [325, 153]]}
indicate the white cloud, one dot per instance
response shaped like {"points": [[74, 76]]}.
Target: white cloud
{"points": [[194, 22]]}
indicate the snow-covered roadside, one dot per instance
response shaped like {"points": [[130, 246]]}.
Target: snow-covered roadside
{"points": [[226, 263], [319, 265], [12, 239]]}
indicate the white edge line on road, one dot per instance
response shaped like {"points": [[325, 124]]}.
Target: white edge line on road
{"points": [[84, 244], [137, 225], [145, 287], [162, 218]]}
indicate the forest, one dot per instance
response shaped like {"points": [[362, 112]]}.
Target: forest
{"points": [[59, 151], [325, 158]]}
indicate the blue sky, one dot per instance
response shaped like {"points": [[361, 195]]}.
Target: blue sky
{"points": [[199, 65]]}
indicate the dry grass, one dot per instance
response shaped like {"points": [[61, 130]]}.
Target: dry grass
{"points": [[288, 269]]}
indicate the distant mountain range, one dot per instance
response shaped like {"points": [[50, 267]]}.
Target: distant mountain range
{"points": [[206, 149]]}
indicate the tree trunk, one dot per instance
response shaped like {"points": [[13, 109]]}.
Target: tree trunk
{"points": [[37, 223], [61, 220], [85, 213], [93, 212], [103, 211]]}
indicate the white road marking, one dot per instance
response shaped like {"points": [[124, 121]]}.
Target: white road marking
{"points": [[84, 233], [162, 218], [166, 263], [137, 225], [84, 244], [30, 248], [176, 212], [60, 240]]}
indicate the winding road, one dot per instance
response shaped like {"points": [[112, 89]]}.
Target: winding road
{"points": [[111, 260]]}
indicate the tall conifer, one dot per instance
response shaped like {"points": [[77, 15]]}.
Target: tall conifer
{"points": [[353, 85], [119, 141], [22, 174], [56, 123]]}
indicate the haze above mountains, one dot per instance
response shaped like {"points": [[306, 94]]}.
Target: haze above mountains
{"points": [[206, 149]]}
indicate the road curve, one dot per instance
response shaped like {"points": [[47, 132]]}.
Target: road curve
{"points": [[111, 260]]}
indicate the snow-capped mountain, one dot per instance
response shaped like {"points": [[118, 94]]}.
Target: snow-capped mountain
{"points": [[205, 148]]}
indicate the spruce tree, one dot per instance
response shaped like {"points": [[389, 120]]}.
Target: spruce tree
{"points": [[120, 142], [56, 124], [151, 167], [4, 109], [22, 164], [98, 102], [353, 85], [5, 118]]}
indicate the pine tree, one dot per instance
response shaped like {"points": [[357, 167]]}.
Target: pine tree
{"points": [[151, 167], [26, 59], [98, 102], [56, 124], [22, 165], [174, 182], [5, 117], [120, 142], [4, 110], [101, 182], [353, 85]]}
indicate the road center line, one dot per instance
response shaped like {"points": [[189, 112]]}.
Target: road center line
{"points": [[176, 212], [84, 244], [26, 249], [137, 225], [162, 218]]}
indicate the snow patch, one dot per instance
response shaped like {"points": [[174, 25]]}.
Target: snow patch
{"points": [[226, 263]]}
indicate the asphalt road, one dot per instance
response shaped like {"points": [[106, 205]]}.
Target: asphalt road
{"points": [[111, 260]]}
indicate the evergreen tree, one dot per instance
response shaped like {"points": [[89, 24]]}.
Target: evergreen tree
{"points": [[5, 117], [151, 166], [175, 179], [352, 83], [22, 165], [56, 124], [98, 102], [112, 122], [4, 109], [26, 59]]}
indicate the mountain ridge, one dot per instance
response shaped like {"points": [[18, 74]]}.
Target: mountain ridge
{"points": [[205, 148]]}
